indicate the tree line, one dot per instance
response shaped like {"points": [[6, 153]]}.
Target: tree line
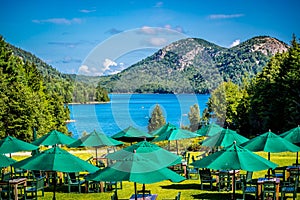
{"points": [[269, 101]]}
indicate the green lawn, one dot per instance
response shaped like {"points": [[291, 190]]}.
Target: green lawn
{"points": [[190, 189]]}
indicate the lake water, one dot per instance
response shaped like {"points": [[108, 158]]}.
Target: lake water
{"points": [[132, 109]]}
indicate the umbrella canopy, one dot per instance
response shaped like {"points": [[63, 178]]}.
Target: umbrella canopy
{"points": [[234, 157], [5, 161], [95, 139], [12, 144], [148, 151], [224, 138], [292, 135], [135, 168], [209, 130], [270, 142], [170, 132], [55, 159], [54, 137], [132, 134]]}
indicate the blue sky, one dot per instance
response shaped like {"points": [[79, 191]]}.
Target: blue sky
{"points": [[65, 33]]}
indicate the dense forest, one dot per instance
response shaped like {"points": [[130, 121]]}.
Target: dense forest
{"points": [[269, 101], [194, 65], [27, 102], [34, 95], [73, 88]]}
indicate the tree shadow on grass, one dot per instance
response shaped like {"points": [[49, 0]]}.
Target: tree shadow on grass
{"points": [[181, 186]]}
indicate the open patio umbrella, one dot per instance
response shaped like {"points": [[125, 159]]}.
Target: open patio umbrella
{"points": [[11, 144], [54, 137], [55, 159], [5, 161], [132, 134], [137, 169], [224, 138], [170, 132], [209, 130], [149, 151], [270, 142], [293, 136], [95, 139], [234, 157]]}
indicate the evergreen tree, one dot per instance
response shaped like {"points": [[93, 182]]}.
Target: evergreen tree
{"points": [[101, 94], [194, 117], [157, 119]]}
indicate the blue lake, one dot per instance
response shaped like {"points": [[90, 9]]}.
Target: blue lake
{"points": [[132, 109]]}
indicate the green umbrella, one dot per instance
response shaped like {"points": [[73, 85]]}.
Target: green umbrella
{"points": [[55, 159], [270, 142], [170, 132], [132, 134], [95, 139], [224, 138], [209, 130], [54, 137], [234, 157], [293, 136], [149, 151], [137, 169], [12, 144], [5, 161]]}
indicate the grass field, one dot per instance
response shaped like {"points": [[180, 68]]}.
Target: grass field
{"points": [[190, 189]]}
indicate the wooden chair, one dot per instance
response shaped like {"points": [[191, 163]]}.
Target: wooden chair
{"points": [[5, 189], [36, 185], [224, 181], [206, 177], [289, 187], [269, 187], [73, 180], [248, 187]]}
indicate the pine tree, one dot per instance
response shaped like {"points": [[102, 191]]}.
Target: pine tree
{"points": [[157, 119], [194, 117]]}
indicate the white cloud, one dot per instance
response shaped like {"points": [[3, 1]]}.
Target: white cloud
{"points": [[107, 63], [63, 21], [156, 41], [159, 4], [148, 30], [87, 11], [84, 69], [235, 43], [223, 16]]}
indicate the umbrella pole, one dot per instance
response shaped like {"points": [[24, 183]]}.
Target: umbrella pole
{"points": [[177, 147], [233, 184], [143, 190], [135, 192], [269, 168], [54, 198], [297, 159]]}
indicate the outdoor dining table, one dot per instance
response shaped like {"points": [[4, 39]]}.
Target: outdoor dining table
{"points": [[144, 197], [260, 183], [15, 183]]}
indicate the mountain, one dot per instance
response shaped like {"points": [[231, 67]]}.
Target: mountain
{"points": [[194, 65]]}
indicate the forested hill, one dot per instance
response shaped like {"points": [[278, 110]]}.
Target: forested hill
{"points": [[194, 65], [71, 88]]}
